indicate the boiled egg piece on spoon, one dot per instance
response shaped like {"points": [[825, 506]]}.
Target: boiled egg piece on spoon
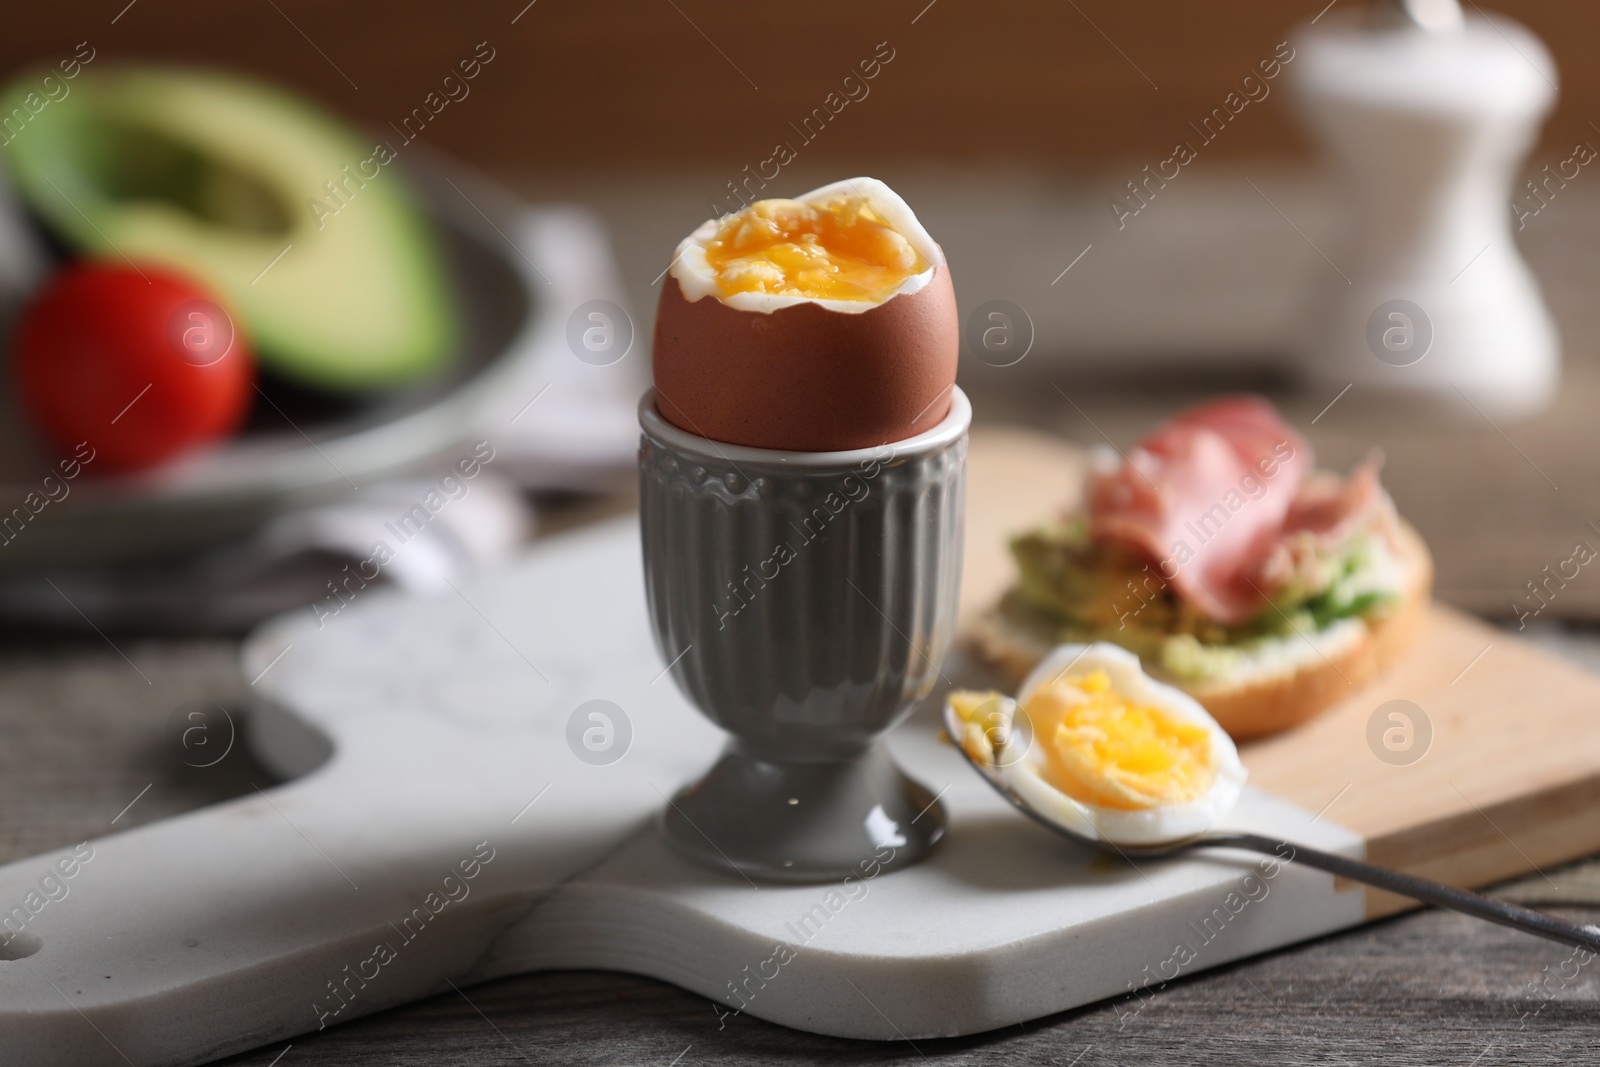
{"points": [[1097, 747], [1111, 758]]}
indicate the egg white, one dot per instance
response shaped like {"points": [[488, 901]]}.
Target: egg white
{"points": [[697, 280], [1019, 759]]}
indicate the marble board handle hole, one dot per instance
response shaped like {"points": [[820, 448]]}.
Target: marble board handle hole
{"points": [[18, 946]]}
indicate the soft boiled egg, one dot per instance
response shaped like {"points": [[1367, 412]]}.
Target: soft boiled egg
{"points": [[822, 323], [1098, 747]]}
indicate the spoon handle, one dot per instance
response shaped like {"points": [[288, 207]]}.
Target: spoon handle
{"points": [[1409, 885]]}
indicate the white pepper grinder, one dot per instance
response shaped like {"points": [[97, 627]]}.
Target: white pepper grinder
{"points": [[1427, 116]]}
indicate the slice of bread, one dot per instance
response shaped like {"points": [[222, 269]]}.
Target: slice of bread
{"points": [[1286, 682]]}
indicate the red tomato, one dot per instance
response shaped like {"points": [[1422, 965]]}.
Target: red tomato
{"points": [[140, 363]]}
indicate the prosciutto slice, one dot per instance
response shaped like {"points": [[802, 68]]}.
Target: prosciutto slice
{"points": [[1327, 505], [1209, 495], [1326, 511]]}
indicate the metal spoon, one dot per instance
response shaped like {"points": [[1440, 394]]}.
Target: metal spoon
{"points": [[1407, 885]]}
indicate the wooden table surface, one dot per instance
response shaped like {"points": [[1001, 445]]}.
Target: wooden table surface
{"points": [[90, 748]]}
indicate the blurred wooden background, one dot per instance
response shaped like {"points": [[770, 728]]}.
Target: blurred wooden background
{"points": [[586, 86], [1008, 126]]}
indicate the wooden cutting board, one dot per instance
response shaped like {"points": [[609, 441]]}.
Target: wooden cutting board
{"points": [[1508, 784], [437, 827]]}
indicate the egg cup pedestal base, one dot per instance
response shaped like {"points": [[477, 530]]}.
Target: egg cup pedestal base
{"points": [[793, 821]]}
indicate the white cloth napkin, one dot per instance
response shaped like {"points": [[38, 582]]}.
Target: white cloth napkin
{"points": [[582, 431]]}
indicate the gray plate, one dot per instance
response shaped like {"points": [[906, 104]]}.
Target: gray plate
{"points": [[277, 466]]}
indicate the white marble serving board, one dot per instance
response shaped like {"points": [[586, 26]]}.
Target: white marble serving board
{"points": [[422, 734]]}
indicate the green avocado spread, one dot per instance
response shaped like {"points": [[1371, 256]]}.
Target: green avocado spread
{"points": [[1080, 590]]}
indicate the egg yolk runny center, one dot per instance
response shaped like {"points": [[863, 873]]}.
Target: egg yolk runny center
{"points": [[837, 250], [1101, 749]]}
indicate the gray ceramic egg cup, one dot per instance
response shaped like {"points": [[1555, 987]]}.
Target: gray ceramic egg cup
{"points": [[805, 601]]}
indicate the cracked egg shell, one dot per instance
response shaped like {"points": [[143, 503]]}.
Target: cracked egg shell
{"points": [[803, 373]]}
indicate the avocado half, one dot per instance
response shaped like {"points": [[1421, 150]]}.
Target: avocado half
{"points": [[304, 228]]}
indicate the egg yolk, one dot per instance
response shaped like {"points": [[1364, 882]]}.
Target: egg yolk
{"points": [[984, 724], [1101, 749], [837, 250]]}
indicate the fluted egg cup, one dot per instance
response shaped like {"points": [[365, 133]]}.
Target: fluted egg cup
{"points": [[804, 601]]}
